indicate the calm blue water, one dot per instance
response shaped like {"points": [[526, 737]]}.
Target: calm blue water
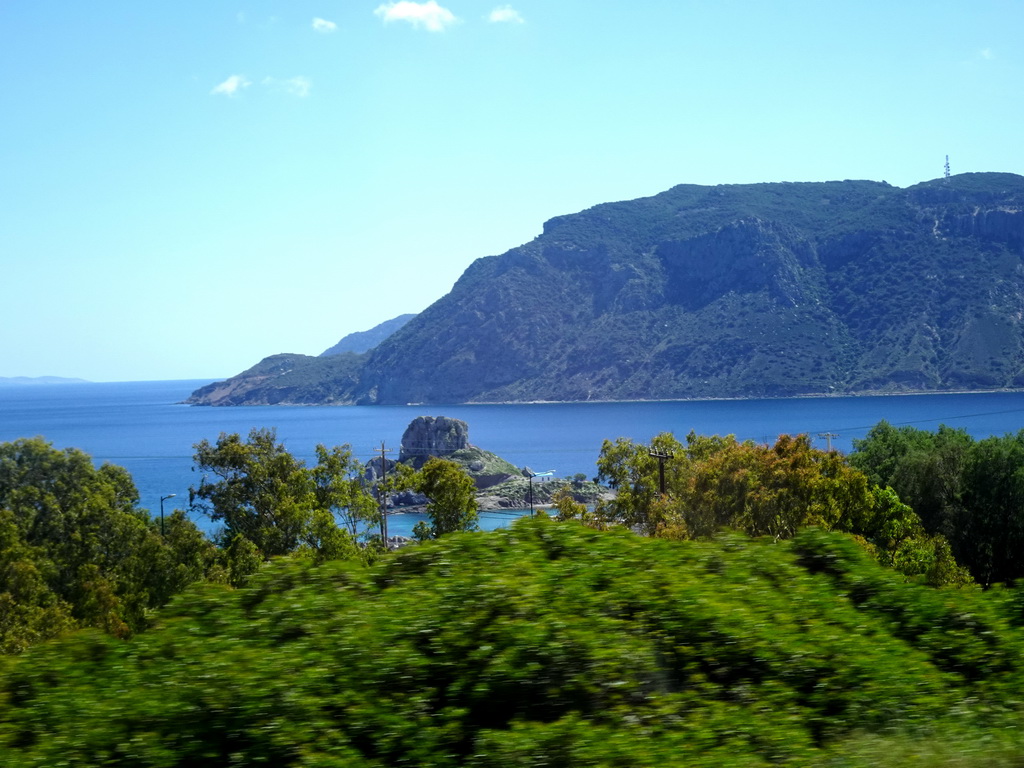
{"points": [[140, 426]]}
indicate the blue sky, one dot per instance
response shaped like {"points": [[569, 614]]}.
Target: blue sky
{"points": [[188, 187]]}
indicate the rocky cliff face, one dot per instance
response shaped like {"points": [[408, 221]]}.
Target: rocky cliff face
{"points": [[428, 436], [729, 291]]}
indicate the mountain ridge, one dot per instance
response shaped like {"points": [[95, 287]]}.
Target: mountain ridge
{"points": [[364, 341], [775, 289]]}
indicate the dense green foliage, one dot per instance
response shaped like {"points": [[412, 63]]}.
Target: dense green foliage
{"points": [[731, 290], [972, 492], [549, 643], [264, 495], [717, 483], [75, 551], [451, 496], [544, 644]]}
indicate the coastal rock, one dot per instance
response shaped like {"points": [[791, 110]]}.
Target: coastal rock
{"points": [[373, 469], [430, 436], [408, 499]]}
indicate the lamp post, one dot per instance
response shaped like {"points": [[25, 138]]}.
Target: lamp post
{"points": [[532, 475], [162, 500]]}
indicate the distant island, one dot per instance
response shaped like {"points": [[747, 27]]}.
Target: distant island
{"points": [[6, 381], [751, 290]]}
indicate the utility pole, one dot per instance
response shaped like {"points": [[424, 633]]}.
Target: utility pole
{"points": [[661, 457], [383, 494], [828, 436], [162, 500]]}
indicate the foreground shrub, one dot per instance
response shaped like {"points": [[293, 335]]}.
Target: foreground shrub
{"points": [[544, 644]]}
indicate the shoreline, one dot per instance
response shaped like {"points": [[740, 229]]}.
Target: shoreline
{"points": [[806, 396]]}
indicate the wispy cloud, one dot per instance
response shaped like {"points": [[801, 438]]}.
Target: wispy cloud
{"points": [[296, 86], [505, 14], [429, 15], [987, 54], [231, 86], [323, 25]]}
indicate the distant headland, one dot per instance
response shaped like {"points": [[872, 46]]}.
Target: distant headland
{"points": [[729, 291], [10, 381]]}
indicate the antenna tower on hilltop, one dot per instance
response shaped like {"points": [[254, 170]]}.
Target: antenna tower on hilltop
{"points": [[947, 169]]}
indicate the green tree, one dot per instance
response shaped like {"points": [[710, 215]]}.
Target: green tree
{"points": [[970, 492], [76, 551], [30, 611], [924, 468], [338, 487], [452, 498], [990, 526], [261, 491], [716, 483], [634, 474], [269, 498]]}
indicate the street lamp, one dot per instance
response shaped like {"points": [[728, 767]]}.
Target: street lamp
{"points": [[532, 475], [162, 500]]}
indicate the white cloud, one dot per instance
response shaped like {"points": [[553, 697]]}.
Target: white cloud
{"points": [[323, 25], [505, 14], [296, 86], [429, 15], [987, 53], [231, 86]]}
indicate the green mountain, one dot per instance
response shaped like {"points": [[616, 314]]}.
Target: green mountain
{"points": [[726, 291]]}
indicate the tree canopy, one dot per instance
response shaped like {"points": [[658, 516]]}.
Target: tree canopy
{"points": [[75, 551], [451, 496], [972, 492], [716, 483], [268, 497]]}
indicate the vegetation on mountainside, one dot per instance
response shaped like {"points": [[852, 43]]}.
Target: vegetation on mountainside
{"points": [[734, 290], [286, 378], [546, 643], [480, 463]]}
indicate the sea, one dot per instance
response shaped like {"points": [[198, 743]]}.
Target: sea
{"points": [[144, 427]]}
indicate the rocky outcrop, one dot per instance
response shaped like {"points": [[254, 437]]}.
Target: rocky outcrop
{"points": [[430, 436]]}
